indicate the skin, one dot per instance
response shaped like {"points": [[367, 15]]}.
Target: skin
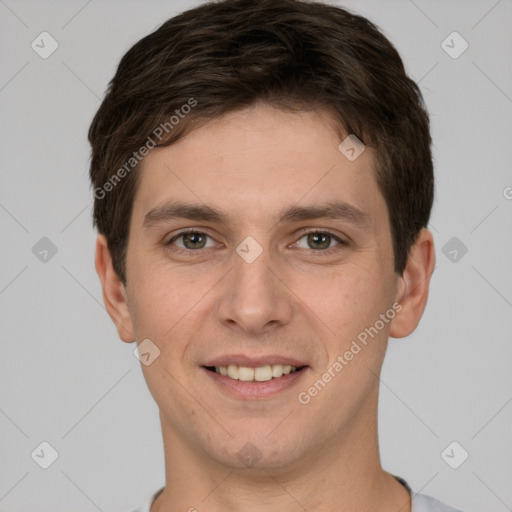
{"points": [[291, 300]]}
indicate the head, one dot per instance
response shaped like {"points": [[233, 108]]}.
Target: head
{"points": [[226, 122]]}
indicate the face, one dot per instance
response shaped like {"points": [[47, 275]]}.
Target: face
{"points": [[257, 249]]}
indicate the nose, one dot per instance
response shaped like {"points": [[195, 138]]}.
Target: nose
{"points": [[253, 297]]}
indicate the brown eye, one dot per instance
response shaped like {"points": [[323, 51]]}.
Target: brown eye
{"points": [[320, 240], [191, 240]]}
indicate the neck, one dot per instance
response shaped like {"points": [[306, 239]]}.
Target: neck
{"points": [[345, 475]]}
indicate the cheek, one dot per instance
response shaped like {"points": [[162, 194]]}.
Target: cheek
{"points": [[167, 310], [155, 307], [350, 302], [155, 288]]}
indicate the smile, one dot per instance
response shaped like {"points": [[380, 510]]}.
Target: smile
{"points": [[254, 377], [258, 374]]}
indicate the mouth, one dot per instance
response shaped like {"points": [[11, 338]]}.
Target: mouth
{"points": [[255, 378], [257, 374]]}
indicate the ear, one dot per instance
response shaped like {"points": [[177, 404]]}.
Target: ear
{"points": [[414, 285], [114, 292]]}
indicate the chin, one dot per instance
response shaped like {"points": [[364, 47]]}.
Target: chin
{"points": [[257, 452]]}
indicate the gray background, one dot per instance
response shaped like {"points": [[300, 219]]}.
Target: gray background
{"points": [[67, 379]]}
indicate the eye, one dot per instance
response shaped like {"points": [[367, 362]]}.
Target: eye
{"points": [[320, 240], [191, 240]]}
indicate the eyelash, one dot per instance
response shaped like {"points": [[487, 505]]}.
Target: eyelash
{"points": [[188, 252]]}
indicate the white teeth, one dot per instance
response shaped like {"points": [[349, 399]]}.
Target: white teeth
{"points": [[263, 373], [245, 374], [233, 371], [259, 374], [277, 370]]}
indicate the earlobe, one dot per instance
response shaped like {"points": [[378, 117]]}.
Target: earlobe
{"points": [[114, 292], [413, 286]]}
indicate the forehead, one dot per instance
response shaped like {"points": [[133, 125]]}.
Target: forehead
{"points": [[256, 164]]}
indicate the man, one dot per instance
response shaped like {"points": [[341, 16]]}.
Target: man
{"points": [[263, 181]]}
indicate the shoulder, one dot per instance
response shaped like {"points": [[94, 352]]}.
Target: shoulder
{"points": [[423, 503], [420, 503], [147, 505], [142, 508]]}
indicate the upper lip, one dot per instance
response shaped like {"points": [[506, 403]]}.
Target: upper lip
{"points": [[254, 361]]}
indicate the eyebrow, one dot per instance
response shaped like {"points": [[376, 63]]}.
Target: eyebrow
{"points": [[339, 210]]}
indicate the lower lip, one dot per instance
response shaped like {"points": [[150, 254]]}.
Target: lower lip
{"points": [[255, 390]]}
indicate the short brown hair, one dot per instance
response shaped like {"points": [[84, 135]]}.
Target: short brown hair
{"points": [[292, 54]]}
